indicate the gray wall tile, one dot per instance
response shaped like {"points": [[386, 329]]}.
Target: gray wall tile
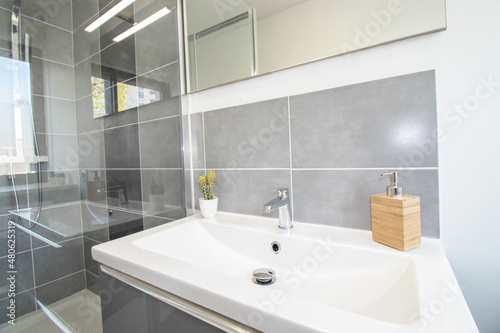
{"points": [[248, 136], [164, 108], [54, 115], [92, 283], [24, 275], [52, 79], [90, 264], [198, 143], [131, 179], [246, 191], [156, 45], [374, 124], [160, 143], [91, 152], [53, 263], [118, 59], [7, 198], [57, 290], [85, 44], [5, 28], [83, 10], [122, 147], [342, 197], [123, 223], [55, 194], [57, 13], [85, 121], [62, 150], [172, 196], [84, 71], [95, 222], [22, 240], [25, 303], [126, 117], [153, 221], [47, 41]]}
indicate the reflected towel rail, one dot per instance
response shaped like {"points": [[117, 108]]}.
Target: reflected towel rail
{"points": [[34, 234]]}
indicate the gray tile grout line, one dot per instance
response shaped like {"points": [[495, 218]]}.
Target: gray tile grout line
{"points": [[64, 241], [141, 178], [135, 123], [87, 271], [133, 78], [53, 61], [290, 155], [138, 123], [50, 24], [22, 292], [98, 12], [52, 97], [62, 277], [204, 143], [321, 169]]}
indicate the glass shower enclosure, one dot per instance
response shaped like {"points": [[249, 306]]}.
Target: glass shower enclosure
{"points": [[80, 166]]}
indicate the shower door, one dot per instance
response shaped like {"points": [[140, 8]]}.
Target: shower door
{"points": [[70, 180]]}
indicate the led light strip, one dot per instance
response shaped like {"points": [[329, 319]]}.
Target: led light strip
{"points": [[144, 23], [109, 14]]}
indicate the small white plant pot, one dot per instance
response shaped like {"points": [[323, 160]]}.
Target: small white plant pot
{"points": [[209, 207], [61, 180], [157, 201], [52, 180]]}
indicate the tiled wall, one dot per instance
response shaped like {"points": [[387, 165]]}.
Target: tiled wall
{"points": [[139, 147], [329, 147]]}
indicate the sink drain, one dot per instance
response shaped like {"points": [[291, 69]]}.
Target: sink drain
{"points": [[264, 276]]}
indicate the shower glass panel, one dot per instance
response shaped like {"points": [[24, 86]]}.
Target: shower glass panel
{"points": [[68, 180]]}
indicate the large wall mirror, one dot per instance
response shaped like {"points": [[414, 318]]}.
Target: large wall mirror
{"points": [[231, 40]]}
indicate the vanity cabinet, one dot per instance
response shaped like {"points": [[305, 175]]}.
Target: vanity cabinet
{"points": [[126, 309]]}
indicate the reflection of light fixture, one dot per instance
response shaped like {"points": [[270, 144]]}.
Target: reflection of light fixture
{"points": [[109, 14], [144, 23]]}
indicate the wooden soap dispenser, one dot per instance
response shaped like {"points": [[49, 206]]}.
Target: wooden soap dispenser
{"points": [[396, 217]]}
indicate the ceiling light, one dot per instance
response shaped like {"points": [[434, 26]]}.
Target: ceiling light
{"points": [[144, 23], [109, 14]]}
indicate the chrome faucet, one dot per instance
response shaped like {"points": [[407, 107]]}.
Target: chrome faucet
{"points": [[120, 188], [282, 203]]}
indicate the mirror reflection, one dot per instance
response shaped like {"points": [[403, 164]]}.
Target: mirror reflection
{"points": [[120, 80], [230, 40]]}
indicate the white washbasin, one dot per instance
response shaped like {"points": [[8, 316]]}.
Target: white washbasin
{"points": [[327, 279]]}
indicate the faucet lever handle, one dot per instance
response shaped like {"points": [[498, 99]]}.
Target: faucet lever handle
{"points": [[282, 192]]}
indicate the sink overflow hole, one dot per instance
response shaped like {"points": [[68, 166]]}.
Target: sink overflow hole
{"points": [[276, 247]]}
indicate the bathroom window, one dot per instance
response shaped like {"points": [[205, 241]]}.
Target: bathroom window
{"points": [[17, 149]]}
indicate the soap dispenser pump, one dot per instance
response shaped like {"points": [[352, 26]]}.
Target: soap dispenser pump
{"points": [[396, 217], [394, 190]]}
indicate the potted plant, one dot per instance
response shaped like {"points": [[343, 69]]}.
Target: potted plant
{"points": [[60, 178], [157, 195], [52, 178], [209, 202]]}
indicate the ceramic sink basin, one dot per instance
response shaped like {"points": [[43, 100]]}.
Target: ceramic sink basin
{"points": [[327, 279]]}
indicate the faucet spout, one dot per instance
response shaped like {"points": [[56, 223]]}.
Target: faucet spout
{"points": [[120, 188], [282, 203]]}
